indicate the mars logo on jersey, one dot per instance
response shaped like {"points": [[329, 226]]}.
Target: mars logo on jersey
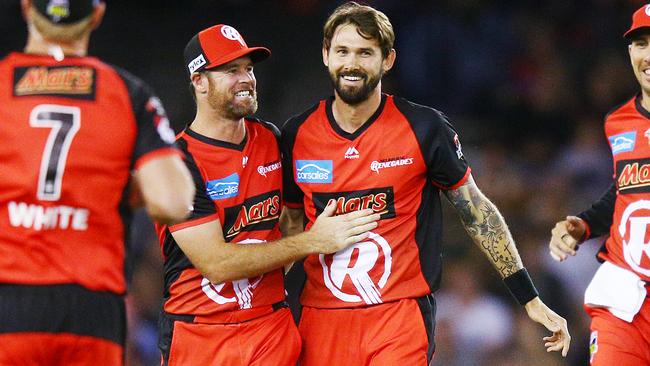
{"points": [[256, 213], [240, 291], [380, 200], [633, 228], [633, 176], [314, 171], [359, 272], [223, 188], [63, 81]]}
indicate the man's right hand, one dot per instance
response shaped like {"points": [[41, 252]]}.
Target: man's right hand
{"points": [[333, 233], [565, 237]]}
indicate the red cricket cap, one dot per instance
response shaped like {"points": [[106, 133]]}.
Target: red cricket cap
{"points": [[640, 20], [219, 45]]}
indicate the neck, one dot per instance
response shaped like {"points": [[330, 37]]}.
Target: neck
{"points": [[37, 45], [351, 117], [210, 124], [645, 100]]}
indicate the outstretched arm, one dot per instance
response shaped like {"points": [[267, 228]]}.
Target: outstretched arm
{"points": [[220, 261], [489, 231]]}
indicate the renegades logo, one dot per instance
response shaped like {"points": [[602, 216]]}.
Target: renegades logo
{"points": [[359, 272], [380, 200], [256, 213], [633, 176], [64, 81]]}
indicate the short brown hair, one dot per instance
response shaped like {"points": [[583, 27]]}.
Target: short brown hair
{"points": [[371, 24], [60, 32]]}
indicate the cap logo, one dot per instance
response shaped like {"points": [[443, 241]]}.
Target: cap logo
{"points": [[232, 34], [647, 10], [58, 9], [196, 63]]}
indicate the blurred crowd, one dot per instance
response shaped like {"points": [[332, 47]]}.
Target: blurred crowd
{"points": [[526, 83]]}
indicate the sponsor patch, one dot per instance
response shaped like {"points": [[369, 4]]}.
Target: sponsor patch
{"points": [[623, 142], [378, 165], [351, 153], [380, 200], [196, 63], [269, 167], [633, 176], [58, 9], [256, 213], [459, 150], [593, 345], [223, 188], [62, 81], [314, 171]]}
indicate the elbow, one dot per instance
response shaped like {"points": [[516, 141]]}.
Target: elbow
{"points": [[169, 211]]}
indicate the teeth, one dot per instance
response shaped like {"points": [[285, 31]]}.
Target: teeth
{"points": [[352, 78], [646, 71], [243, 93]]}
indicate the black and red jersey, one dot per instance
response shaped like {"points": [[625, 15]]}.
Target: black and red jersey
{"points": [[396, 164], [241, 186], [628, 246], [71, 133]]}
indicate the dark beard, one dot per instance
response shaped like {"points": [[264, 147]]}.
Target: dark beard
{"points": [[355, 96]]}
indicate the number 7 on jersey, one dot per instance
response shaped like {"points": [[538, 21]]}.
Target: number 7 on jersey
{"points": [[64, 122]]}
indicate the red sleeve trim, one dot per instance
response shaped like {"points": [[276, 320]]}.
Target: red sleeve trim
{"points": [[293, 205], [195, 222], [154, 154], [458, 184]]}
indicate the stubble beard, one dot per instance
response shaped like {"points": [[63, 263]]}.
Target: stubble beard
{"points": [[227, 104]]}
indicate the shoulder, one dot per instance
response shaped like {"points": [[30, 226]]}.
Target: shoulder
{"points": [[265, 126], [629, 106], [134, 84], [420, 115]]}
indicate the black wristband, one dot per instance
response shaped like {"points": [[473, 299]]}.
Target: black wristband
{"points": [[521, 287]]}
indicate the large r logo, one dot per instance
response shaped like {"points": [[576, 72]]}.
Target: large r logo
{"points": [[636, 245], [342, 266]]}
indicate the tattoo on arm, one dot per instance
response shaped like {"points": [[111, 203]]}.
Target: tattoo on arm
{"points": [[486, 227]]}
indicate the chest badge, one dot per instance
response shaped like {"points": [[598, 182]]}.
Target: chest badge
{"points": [[352, 153]]}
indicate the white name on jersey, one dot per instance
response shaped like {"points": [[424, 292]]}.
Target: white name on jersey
{"points": [[37, 217]]}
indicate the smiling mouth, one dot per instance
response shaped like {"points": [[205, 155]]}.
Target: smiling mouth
{"points": [[244, 93]]}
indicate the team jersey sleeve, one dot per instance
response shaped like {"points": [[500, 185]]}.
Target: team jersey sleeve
{"points": [[155, 136], [447, 167], [293, 195], [203, 208], [600, 215]]}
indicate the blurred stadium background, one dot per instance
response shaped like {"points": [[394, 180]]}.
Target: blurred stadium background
{"points": [[527, 84]]}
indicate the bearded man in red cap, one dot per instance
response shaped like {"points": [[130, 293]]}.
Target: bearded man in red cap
{"points": [[73, 130], [224, 301], [617, 297]]}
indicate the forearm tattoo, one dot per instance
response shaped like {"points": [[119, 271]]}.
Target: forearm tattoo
{"points": [[486, 227]]}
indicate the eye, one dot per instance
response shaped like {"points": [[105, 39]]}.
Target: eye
{"points": [[342, 52]]}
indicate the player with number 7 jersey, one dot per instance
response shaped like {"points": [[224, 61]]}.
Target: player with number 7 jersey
{"points": [[73, 129]]}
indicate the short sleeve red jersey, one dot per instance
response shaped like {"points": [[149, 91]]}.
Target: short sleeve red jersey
{"points": [[72, 131], [241, 186], [628, 131], [395, 164]]}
